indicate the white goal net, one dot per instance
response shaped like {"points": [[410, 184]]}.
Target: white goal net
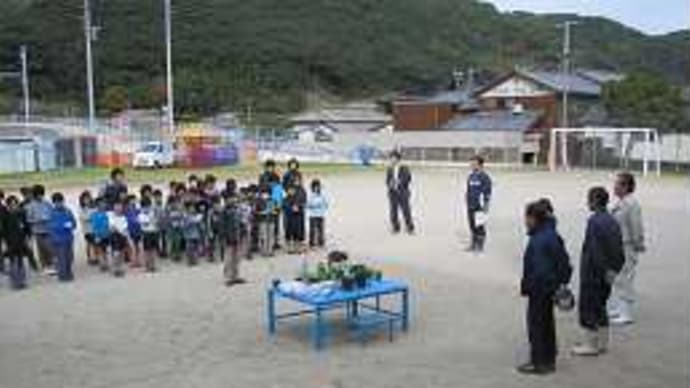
{"points": [[605, 148]]}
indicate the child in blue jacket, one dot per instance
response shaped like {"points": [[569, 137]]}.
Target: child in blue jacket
{"points": [[62, 226], [100, 228]]}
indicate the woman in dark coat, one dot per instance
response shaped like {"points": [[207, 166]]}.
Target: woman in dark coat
{"points": [[602, 258], [543, 263]]}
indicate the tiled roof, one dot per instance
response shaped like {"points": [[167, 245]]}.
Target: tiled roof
{"points": [[501, 120], [574, 83]]}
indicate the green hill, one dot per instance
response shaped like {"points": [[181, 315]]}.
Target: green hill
{"points": [[230, 53]]}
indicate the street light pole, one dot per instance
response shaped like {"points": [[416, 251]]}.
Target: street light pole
{"points": [[168, 62], [25, 84], [88, 37]]}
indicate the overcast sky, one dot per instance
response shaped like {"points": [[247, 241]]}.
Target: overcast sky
{"points": [[650, 16]]}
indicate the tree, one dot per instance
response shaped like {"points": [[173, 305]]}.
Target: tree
{"points": [[646, 100], [115, 99]]}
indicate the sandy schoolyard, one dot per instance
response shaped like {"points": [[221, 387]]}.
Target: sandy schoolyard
{"points": [[181, 327]]}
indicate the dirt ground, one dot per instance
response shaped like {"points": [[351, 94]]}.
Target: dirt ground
{"points": [[182, 328]]}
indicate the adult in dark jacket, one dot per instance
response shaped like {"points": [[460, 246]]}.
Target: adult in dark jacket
{"points": [[292, 173], [601, 259], [543, 260], [269, 175], [294, 206], [398, 179], [116, 188], [477, 198]]}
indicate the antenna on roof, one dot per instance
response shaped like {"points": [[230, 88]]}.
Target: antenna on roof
{"points": [[469, 85]]}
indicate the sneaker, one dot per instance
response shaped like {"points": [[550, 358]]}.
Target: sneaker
{"points": [[50, 272], [621, 320], [233, 282], [531, 369]]}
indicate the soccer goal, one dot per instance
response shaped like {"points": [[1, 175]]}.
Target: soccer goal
{"points": [[614, 148]]}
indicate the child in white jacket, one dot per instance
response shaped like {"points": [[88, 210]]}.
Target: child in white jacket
{"points": [[317, 206]]}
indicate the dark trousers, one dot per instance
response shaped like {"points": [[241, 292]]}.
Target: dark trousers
{"points": [[254, 236], [64, 254], [276, 232], [163, 243], [478, 232], [44, 248], [592, 304], [31, 257], [316, 231], [17, 272], [541, 329], [400, 202], [294, 229]]}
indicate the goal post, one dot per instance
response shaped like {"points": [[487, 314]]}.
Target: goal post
{"points": [[604, 148]]}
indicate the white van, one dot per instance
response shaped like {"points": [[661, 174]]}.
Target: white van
{"points": [[154, 154]]}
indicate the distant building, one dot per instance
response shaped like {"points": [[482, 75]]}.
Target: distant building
{"points": [[416, 113], [543, 90], [41, 147], [514, 111], [323, 124]]}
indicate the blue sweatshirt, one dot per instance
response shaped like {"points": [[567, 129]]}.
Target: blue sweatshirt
{"points": [[100, 226], [62, 225], [478, 191], [133, 225]]}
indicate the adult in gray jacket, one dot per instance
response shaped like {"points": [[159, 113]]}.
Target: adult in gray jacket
{"points": [[628, 213], [38, 214]]}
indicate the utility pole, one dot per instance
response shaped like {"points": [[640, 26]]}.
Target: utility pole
{"points": [[168, 63], [25, 84], [565, 71], [457, 78], [88, 37]]}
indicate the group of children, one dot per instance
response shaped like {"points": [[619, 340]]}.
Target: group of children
{"points": [[196, 220], [32, 219]]}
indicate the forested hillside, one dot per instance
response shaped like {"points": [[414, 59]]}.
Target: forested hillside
{"points": [[269, 53]]}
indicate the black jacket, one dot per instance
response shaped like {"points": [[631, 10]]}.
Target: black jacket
{"points": [[402, 186], [546, 264], [15, 232], [290, 176], [267, 178], [602, 250]]}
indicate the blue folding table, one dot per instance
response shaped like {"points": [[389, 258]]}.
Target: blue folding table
{"points": [[358, 313]]}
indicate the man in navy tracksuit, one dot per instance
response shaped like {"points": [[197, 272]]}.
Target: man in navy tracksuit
{"points": [[477, 199]]}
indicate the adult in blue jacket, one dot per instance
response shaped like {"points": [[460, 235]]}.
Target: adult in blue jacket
{"points": [[62, 225], [546, 267], [601, 259], [477, 198]]}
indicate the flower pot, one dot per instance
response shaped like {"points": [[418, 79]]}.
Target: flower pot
{"points": [[347, 283]]}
